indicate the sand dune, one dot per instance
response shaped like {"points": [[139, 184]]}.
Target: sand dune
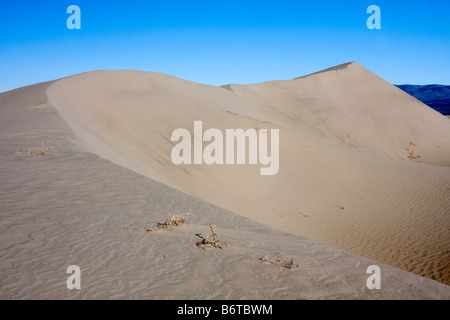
{"points": [[352, 186], [363, 166]]}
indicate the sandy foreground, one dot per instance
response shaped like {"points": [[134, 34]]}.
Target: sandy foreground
{"points": [[364, 179]]}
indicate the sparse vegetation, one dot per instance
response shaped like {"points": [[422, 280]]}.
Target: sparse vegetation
{"points": [[411, 152], [232, 113], [304, 215], [43, 150], [212, 241], [280, 262], [174, 221]]}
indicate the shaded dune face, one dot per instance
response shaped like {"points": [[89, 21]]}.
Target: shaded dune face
{"points": [[363, 166]]}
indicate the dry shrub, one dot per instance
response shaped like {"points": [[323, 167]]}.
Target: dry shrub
{"points": [[43, 150], [280, 262], [411, 153], [174, 221], [212, 241]]}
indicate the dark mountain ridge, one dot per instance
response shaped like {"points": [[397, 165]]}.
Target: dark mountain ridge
{"points": [[436, 96]]}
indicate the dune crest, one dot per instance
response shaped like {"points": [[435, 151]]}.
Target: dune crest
{"points": [[363, 166]]}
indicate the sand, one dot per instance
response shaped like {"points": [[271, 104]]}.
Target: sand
{"points": [[351, 190]]}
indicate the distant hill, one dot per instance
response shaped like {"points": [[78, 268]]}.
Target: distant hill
{"points": [[435, 96]]}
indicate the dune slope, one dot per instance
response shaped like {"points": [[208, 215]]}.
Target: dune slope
{"points": [[69, 207], [364, 167]]}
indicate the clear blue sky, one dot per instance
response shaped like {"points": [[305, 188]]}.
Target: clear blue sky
{"points": [[221, 42]]}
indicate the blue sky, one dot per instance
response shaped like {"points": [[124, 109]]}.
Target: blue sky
{"points": [[221, 42]]}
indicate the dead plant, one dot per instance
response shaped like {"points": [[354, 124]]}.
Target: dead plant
{"points": [[43, 150], [171, 222], [280, 262], [211, 240]]}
